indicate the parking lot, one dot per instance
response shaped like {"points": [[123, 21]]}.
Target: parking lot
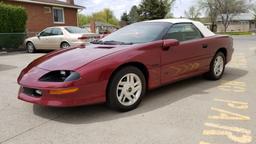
{"points": [[193, 111]]}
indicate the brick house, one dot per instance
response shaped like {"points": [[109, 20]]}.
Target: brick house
{"points": [[46, 13], [243, 22]]}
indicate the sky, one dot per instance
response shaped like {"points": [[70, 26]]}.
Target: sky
{"points": [[120, 6]]}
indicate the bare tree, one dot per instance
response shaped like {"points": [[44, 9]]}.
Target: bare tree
{"points": [[230, 8], [193, 13], [253, 11], [209, 6]]}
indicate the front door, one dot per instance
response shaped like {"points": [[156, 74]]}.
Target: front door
{"points": [[56, 38], [187, 59], [43, 38]]}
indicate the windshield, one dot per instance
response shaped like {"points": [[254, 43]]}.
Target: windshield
{"points": [[142, 32], [76, 30]]}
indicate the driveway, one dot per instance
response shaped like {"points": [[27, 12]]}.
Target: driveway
{"points": [[193, 111]]}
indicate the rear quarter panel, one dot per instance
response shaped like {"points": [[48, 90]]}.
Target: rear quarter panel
{"points": [[221, 41]]}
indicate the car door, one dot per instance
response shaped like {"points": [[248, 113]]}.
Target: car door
{"points": [[56, 38], [42, 39], [188, 58]]}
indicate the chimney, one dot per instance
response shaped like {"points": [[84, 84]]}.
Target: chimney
{"points": [[70, 2]]}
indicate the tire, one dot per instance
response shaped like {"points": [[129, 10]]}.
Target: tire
{"points": [[30, 47], [123, 94], [64, 45], [217, 67]]}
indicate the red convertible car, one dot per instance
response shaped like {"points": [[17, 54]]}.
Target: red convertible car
{"points": [[121, 67]]}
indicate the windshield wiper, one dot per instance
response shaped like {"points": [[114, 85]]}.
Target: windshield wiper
{"points": [[97, 42]]}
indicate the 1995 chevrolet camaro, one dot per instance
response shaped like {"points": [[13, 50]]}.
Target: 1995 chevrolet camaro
{"points": [[121, 67]]}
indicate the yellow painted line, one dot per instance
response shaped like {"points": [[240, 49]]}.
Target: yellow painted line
{"points": [[234, 104], [244, 139], [226, 115], [235, 134], [233, 129], [239, 61], [232, 86]]}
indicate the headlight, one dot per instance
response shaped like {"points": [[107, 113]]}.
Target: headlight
{"points": [[60, 76]]}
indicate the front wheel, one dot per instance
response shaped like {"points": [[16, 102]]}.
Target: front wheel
{"points": [[30, 47], [217, 67], [126, 89]]}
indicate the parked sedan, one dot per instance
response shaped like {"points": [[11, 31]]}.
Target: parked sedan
{"points": [[59, 37], [121, 67]]}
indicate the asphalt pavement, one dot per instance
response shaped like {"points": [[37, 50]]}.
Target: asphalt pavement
{"points": [[193, 111]]}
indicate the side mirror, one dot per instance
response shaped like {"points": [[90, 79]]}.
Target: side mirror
{"points": [[170, 43]]}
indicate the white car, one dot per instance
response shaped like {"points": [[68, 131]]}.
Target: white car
{"points": [[53, 38]]}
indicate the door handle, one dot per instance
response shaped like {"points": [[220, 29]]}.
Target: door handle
{"points": [[205, 46]]}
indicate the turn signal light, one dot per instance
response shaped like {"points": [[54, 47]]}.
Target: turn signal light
{"points": [[63, 91]]}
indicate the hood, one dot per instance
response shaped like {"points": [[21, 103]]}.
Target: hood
{"points": [[74, 58]]}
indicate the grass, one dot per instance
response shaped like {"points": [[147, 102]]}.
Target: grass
{"points": [[237, 33]]}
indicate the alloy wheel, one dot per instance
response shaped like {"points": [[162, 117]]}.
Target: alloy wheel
{"points": [[129, 89], [218, 66], [30, 47], [65, 45]]}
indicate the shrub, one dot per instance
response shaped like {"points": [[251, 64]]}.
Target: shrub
{"points": [[12, 25]]}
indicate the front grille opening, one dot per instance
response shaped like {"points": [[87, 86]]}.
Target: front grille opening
{"points": [[32, 92]]}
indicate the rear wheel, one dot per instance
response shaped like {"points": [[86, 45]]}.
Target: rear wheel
{"points": [[126, 89], [30, 47], [217, 67], [64, 45]]}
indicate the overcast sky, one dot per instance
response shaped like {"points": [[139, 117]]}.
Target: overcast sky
{"points": [[120, 6]]}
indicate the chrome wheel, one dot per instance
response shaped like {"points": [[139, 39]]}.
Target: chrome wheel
{"points": [[30, 47], [65, 45], [218, 66], [129, 89]]}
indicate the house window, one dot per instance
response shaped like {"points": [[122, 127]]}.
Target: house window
{"points": [[58, 15]]}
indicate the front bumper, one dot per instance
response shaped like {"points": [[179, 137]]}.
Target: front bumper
{"points": [[85, 94], [64, 100]]}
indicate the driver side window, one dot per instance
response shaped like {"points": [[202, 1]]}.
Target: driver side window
{"points": [[47, 32], [183, 32]]}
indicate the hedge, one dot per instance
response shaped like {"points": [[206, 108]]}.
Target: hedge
{"points": [[12, 25]]}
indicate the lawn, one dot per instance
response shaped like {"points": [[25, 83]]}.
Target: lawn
{"points": [[237, 33]]}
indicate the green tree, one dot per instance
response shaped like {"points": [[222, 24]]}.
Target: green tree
{"points": [[83, 19], [154, 9], [125, 17], [133, 15], [106, 15], [12, 20], [193, 13]]}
